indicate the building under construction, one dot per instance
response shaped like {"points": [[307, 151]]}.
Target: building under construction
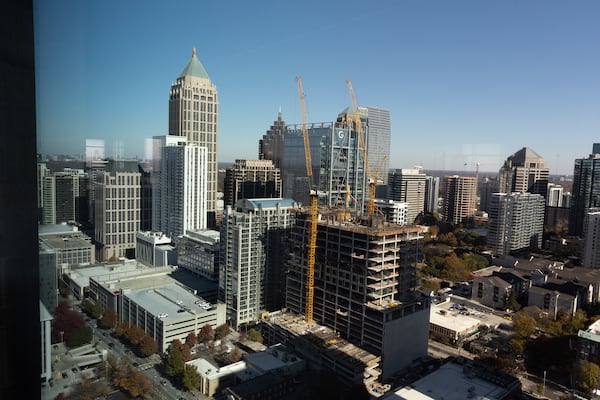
{"points": [[364, 284]]}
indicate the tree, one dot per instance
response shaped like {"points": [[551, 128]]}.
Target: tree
{"points": [[174, 361], [221, 331], [79, 337], [109, 319], [66, 321], [148, 346], [516, 345], [255, 335], [191, 378], [523, 325], [135, 334], [206, 333], [510, 301], [586, 375], [234, 355], [191, 340]]}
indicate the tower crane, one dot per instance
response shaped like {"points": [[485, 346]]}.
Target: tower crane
{"points": [[312, 228], [372, 181]]}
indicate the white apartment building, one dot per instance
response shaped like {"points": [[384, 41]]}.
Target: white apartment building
{"points": [[181, 188], [154, 249], [394, 211]]}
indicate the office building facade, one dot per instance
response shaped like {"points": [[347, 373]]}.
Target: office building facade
{"points": [[432, 193], [408, 186], [252, 179], [591, 238], [460, 200], [516, 222], [586, 190], [270, 147], [193, 113], [117, 210], [198, 252], [524, 171]]}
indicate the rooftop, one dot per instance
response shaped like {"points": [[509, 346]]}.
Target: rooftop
{"points": [[194, 68], [459, 380], [452, 320], [325, 337]]}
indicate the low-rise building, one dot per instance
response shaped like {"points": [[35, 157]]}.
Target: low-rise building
{"points": [[460, 379], [588, 343], [154, 249], [276, 361], [198, 252], [452, 326]]}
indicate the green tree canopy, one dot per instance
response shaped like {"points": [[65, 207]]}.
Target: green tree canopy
{"points": [[523, 325], [191, 378], [586, 376], [255, 335], [174, 360]]}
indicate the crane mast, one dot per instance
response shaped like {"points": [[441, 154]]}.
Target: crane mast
{"points": [[358, 125], [312, 228]]}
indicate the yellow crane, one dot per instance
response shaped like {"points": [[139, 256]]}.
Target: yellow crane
{"points": [[312, 229], [372, 181]]}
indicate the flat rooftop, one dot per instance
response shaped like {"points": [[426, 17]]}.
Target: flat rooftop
{"points": [[170, 302], [452, 320], [458, 381]]}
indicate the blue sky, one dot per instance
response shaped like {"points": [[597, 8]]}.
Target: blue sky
{"points": [[466, 82]]}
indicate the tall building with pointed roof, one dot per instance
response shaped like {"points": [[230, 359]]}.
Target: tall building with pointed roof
{"points": [[270, 147], [524, 171], [193, 113]]}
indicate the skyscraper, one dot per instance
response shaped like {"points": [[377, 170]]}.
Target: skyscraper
{"points": [[270, 147], [524, 171], [117, 213], [251, 179], [379, 135], [432, 191], [408, 185], [516, 222], [181, 188], [459, 201], [250, 257], [591, 238], [586, 190], [193, 113]]}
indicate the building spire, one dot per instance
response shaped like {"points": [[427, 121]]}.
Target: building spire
{"points": [[193, 52]]}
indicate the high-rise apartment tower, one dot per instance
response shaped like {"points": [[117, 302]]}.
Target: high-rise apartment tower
{"points": [[586, 190], [460, 200], [516, 222]]}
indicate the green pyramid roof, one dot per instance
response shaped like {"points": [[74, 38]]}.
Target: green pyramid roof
{"points": [[194, 68]]}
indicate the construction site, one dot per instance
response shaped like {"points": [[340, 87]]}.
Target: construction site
{"points": [[351, 299]]}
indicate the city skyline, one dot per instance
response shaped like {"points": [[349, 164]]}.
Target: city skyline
{"points": [[466, 83]]}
